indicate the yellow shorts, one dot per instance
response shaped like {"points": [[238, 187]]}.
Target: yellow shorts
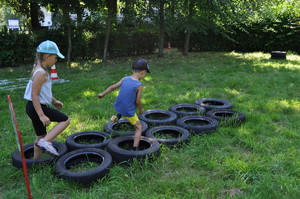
{"points": [[133, 120]]}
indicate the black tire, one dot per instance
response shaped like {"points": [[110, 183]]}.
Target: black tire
{"points": [[182, 110], [177, 134], [227, 116], [120, 148], [198, 124], [116, 128], [158, 117], [65, 163], [278, 55], [99, 140], [28, 152], [213, 103]]}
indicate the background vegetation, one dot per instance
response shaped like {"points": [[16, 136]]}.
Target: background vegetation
{"points": [[258, 159], [117, 28]]}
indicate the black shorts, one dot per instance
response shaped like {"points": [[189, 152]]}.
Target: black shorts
{"points": [[53, 114]]}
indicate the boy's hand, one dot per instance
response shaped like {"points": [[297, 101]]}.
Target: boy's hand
{"points": [[101, 95], [141, 111]]}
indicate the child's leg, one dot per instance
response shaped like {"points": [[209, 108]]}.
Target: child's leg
{"points": [[55, 116], [138, 134], [134, 120], [37, 150], [56, 130]]}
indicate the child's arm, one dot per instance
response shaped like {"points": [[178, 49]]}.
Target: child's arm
{"points": [[38, 81], [57, 103], [110, 89], [138, 99]]}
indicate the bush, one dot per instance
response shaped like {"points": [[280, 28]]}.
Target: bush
{"points": [[122, 44], [15, 48]]}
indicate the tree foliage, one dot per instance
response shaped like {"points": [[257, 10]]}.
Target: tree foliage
{"points": [[190, 25]]}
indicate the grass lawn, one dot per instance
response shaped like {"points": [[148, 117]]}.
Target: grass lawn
{"points": [[258, 159]]}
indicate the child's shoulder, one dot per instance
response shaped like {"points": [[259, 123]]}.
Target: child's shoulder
{"points": [[39, 72]]}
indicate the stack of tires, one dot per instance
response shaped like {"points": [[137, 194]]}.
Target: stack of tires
{"points": [[171, 127]]}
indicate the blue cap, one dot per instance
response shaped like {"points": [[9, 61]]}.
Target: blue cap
{"points": [[49, 47]]}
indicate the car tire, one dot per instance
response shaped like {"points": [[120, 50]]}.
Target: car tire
{"points": [[65, 162], [115, 128], [198, 124], [161, 117], [120, 148], [28, 152], [182, 110], [227, 116], [213, 103], [100, 139], [179, 134]]}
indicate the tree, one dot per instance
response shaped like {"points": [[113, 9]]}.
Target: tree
{"points": [[67, 7], [30, 9], [161, 12], [111, 16]]}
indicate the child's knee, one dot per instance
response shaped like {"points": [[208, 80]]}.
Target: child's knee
{"points": [[67, 122], [138, 125]]}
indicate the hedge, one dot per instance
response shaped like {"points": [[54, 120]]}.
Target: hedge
{"points": [[19, 48]]}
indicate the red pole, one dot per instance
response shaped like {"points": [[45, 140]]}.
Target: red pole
{"points": [[20, 145]]}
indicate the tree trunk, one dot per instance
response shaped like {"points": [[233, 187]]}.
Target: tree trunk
{"points": [[68, 30], [107, 38], [69, 43], [34, 16], [112, 12], [161, 28], [186, 43], [188, 31]]}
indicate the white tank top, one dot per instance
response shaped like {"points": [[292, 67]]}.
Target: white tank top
{"points": [[45, 95]]}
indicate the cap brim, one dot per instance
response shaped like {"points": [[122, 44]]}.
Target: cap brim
{"points": [[148, 70], [60, 55]]}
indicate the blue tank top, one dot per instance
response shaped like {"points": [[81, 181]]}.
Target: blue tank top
{"points": [[125, 103]]}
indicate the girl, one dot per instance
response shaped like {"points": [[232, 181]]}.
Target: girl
{"points": [[39, 95]]}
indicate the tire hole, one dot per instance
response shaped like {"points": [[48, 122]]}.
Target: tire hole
{"points": [[126, 126], [84, 162], [187, 109], [127, 145], [225, 115], [89, 139], [167, 134], [157, 116], [214, 103], [197, 122]]}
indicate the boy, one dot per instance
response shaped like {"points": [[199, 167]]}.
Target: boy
{"points": [[129, 98]]}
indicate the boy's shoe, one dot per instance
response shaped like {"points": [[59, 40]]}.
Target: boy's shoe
{"points": [[47, 146], [114, 118]]}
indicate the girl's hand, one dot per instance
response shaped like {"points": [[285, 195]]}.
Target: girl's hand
{"points": [[45, 120], [58, 104]]}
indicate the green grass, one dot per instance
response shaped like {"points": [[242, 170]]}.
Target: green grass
{"points": [[257, 159], [84, 166]]}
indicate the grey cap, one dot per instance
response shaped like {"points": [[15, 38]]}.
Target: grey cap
{"points": [[141, 64]]}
